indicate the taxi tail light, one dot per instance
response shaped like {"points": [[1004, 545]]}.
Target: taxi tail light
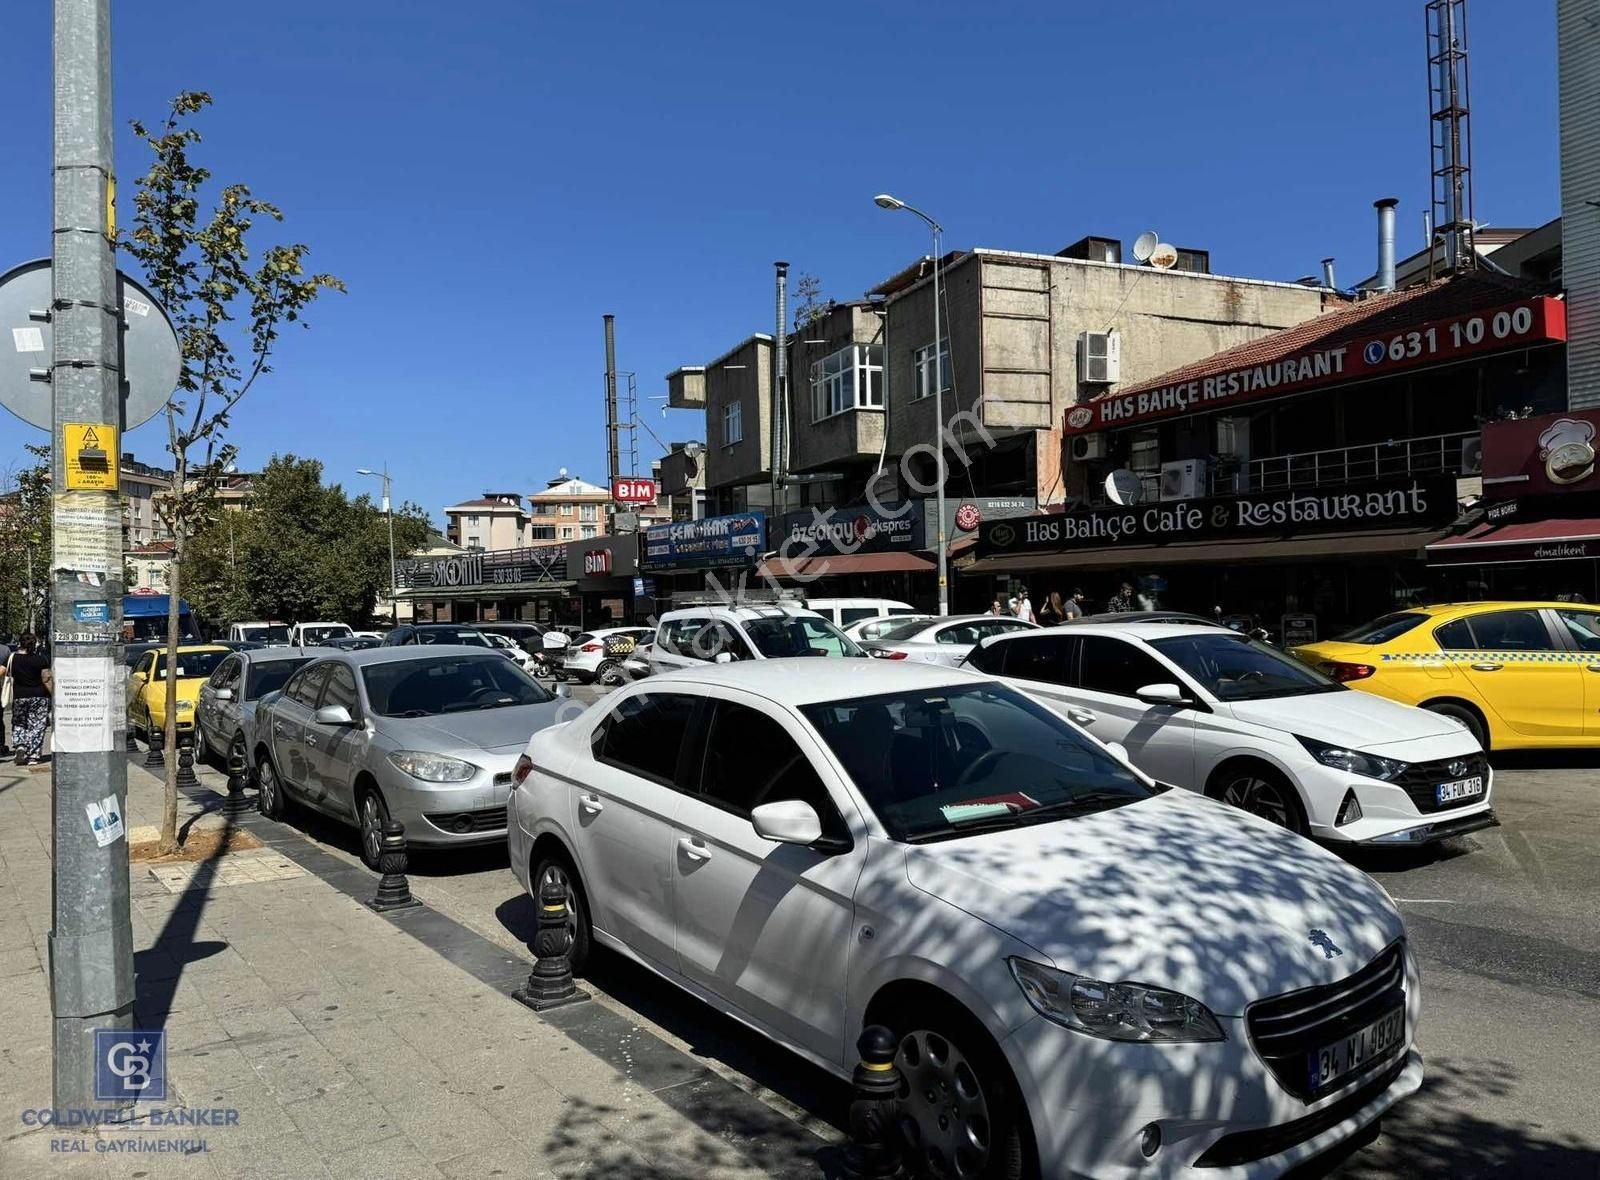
{"points": [[522, 770], [890, 655], [590, 647], [1344, 673]]}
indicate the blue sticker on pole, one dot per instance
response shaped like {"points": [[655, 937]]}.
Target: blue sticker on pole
{"points": [[91, 612]]}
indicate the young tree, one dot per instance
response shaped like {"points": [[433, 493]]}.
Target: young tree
{"points": [[809, 306], [227, 308], [25, 542]]}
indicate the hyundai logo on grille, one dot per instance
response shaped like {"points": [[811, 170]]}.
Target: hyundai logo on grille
{"points": [[1457, 769], [1320, 940]]}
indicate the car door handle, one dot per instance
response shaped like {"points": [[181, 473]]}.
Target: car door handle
{"points": [[1594, 667], [1487, 667], [311, 740], [1081, 716], [694, 849], [277, 727], [591, 804]]}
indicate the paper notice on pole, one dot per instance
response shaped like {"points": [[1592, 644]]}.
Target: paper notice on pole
{"points": [[105, 818], [88, 533], [86, 706], [28, 339]]}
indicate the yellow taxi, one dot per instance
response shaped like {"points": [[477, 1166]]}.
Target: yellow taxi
{"points": [[1519, 675], [147, 689]]}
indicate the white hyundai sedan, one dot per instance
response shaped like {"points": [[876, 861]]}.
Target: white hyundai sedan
{"points": [[1088, 973], [1217, 712]]}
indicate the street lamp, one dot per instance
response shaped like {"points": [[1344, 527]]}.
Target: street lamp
{"points": [[388, 510], [885, 201]]}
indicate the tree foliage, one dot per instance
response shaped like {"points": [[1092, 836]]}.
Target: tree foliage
{"points": [[809, 305], [302, 550], [25, 537]]}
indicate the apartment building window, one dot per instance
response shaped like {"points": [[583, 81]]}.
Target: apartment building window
{"points": [[472, 521], [1144, 460], [850, 379], [590, 512], [924, 366], [542, 532], [566, 510], [732, 423], [474, 543], [590, 530], [566, 532]]}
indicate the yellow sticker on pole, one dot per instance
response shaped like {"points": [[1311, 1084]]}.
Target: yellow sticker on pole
{"points": [[111, 206], [91, 453]]}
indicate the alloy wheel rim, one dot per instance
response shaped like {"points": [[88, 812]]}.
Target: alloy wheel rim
{"points": [[269, 787], [944, 1114], [611, 674], [1258, 797], [558, 875], [371, 826]]}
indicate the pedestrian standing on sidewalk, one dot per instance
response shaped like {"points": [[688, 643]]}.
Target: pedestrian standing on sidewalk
{"points": [[1074, 606], [31, 686], [1024, 609], [5, 696], [1122, 601], [1054, 611]]}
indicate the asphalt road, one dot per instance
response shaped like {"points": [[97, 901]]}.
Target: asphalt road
{"points": [[1506, 923]]}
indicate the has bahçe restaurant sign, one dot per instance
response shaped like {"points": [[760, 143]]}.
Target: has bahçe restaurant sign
{"points": [[502, 567], [1392, 504], [715, 540], [1538, 320]]}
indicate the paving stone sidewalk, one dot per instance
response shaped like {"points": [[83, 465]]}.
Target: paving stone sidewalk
{"points": [[349, 1046]]}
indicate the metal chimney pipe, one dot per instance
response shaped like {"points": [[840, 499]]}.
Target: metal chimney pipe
{"points": [[1385, 208], [611, 418], [1327, 273], [780, 396]]}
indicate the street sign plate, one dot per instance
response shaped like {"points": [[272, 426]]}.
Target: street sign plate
{"points": [[150, 356]]}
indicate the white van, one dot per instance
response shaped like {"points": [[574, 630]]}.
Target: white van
{"points": [[311, 634], [841, 612], [271, 634]]}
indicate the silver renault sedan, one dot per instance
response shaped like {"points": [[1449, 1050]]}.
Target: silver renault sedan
{"points": [[428, 736]]}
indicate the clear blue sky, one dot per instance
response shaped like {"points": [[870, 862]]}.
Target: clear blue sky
{"points": [[490, 178]]}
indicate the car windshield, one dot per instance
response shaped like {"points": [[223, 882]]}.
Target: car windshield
{"points": [[880, 628], [799, 635], [330, 631], [903, 631], [944, 763], [1237, 668], [445, 684], [270, 677], [1384, 629], [191, 664], [447, 635], [266, 633]]}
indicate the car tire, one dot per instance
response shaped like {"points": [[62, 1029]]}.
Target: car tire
{"points": [[610, 674], [959, 1112], [557, 864], [372, 813], [270, 799], [1262, 792], [1470, 720]]}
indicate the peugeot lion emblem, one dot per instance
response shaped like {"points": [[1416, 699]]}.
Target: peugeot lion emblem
{"points": [[1458, 768], [1320, 939]]}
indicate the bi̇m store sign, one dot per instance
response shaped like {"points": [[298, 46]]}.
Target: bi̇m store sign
{"points": [[1392, 504]]}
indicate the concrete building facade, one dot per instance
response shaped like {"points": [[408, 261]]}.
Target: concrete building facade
{"points": [[569, 509], [496, 520]]}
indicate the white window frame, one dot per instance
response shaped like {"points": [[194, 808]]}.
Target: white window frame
{"points": [[923, 363], [566, 532], [589, 512], [732, 423], [849, 379]]}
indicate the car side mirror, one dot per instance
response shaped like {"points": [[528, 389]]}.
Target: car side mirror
{"points": [[334, 715], [1161, 694], [790, 821], [563, 690], [723, 657], [222, 694]]}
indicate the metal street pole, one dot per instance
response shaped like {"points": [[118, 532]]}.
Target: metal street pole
{"points": [[885, 201], [388, 510], [91, 936]]}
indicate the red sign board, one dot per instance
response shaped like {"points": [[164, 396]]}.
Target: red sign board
{"points": [[630, 490], [1534, 456], [596, 562], [1540, 319]]}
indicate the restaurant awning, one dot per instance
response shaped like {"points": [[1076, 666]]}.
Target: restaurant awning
{"points": [[828, 564], [1519, 540], [497, 590], [1392, 543]]}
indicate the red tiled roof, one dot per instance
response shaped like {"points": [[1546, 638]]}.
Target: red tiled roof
{"points": [[1371, 316], [486, 504]]}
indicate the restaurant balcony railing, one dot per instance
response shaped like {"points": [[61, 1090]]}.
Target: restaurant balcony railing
{"points": [[1434, 454]]}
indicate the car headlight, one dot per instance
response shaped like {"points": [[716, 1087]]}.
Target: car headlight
{"points": [[185, 706], [1114, 1011], [432, 768], [1353, 761]]}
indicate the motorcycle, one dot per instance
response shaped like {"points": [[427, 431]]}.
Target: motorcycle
{"points": [[550, 659]]}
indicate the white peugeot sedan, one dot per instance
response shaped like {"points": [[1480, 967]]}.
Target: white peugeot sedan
{"points": [[1217, 712], [1088, 973]]}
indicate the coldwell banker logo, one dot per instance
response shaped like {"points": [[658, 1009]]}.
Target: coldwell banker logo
{"points": [[130, 1065]]}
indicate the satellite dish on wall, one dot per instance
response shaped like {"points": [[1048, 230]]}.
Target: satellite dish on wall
{"points": [[1124, 487], [1145, 245], [1164, 256]]}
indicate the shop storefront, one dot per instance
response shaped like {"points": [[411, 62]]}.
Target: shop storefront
{"points": [[607, 582], [1341, 554], [680, 558], [1536, 533], [504, 585]]}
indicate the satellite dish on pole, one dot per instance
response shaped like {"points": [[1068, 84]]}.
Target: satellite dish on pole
{"points": [[1164, 256], [149, 354], [1145, 245], [1124, 487]]}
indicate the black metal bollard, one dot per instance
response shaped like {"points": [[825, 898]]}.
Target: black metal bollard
{"points": [[153, 756], [186, 775], [874, 1151], [130, 743], [394, 891], [550, 983]]}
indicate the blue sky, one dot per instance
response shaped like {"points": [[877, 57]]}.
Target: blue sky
{"points": [[490, 178]]}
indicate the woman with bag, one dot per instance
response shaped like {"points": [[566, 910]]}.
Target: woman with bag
{"points": [[28, 674]]}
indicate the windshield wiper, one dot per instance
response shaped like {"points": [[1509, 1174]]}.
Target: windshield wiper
{"points": [[1084, 803], [410, 713]]}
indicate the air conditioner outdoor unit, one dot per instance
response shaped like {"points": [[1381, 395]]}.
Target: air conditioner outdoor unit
{"points": [[1184, 479], [1472, 456], [1088, 446], [1100, 357]]}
